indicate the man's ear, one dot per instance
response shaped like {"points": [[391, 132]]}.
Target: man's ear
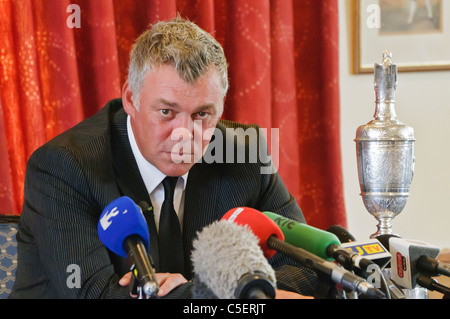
{"points": [[127, 100]]}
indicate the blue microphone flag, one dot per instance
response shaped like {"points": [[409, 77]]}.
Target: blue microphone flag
{"points": [[119, 220]]}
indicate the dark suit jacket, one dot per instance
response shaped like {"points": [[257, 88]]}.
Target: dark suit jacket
{"points": [[71, 179]]}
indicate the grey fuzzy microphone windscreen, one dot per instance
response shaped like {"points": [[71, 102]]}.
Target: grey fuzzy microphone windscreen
{"points": [[223, 253]]}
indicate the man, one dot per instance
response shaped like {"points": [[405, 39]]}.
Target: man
{"points": [[165, 122]]}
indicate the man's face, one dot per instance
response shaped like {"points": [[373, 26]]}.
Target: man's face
{"points": [[173, 115]]}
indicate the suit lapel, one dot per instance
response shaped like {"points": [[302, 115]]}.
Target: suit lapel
{"points": [[128, 178]]}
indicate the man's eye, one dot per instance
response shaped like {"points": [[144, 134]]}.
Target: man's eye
{"points": [[165, 112], [201, 114]]}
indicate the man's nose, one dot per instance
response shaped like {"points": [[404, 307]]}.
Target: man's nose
{"points": [[183, 128]]}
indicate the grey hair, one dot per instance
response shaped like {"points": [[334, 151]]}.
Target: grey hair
{"points": [[181, 43]]}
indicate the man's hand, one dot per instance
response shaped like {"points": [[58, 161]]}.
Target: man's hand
{"points": [[283, 294], [167, 282]]}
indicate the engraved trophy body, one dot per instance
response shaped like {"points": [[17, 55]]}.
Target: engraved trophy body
{"points": [[385, 153]]}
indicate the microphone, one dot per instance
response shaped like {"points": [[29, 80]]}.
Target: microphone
{"points": [[373, 251], [245, 216], [262, 227], [321, 243], [314, 240], [433, 267], [410, 258], [228, 260], [433, 285], [341, 233], [123, 230]]}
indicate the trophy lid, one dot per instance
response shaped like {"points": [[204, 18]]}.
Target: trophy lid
{"points": [[385, 126], [385, 81]]}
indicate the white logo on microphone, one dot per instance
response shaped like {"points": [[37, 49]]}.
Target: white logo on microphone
{"points": [[235, 214], [105, 221]]}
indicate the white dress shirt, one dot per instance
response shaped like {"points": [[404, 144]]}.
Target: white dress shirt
{"points": [[153, 181]]}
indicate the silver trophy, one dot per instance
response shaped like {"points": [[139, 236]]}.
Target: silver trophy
{"points": [[385, 153]]}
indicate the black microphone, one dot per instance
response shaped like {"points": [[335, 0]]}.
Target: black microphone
{"points": [[123, 230], [433, 285], [228, 261], [432, 267], [342, 234]]}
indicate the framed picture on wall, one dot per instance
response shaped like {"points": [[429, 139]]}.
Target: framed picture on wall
{"points": [[416, 32]]}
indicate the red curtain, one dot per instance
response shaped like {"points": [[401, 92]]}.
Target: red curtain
{"points": [[283, 57]]}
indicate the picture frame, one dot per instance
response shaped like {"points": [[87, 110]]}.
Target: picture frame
{"points": [[416, 32]]}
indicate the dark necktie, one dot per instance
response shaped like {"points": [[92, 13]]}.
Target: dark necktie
{"points": [[171, 253]]}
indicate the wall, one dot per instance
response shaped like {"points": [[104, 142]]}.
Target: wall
{"points": [[423, 102]]}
